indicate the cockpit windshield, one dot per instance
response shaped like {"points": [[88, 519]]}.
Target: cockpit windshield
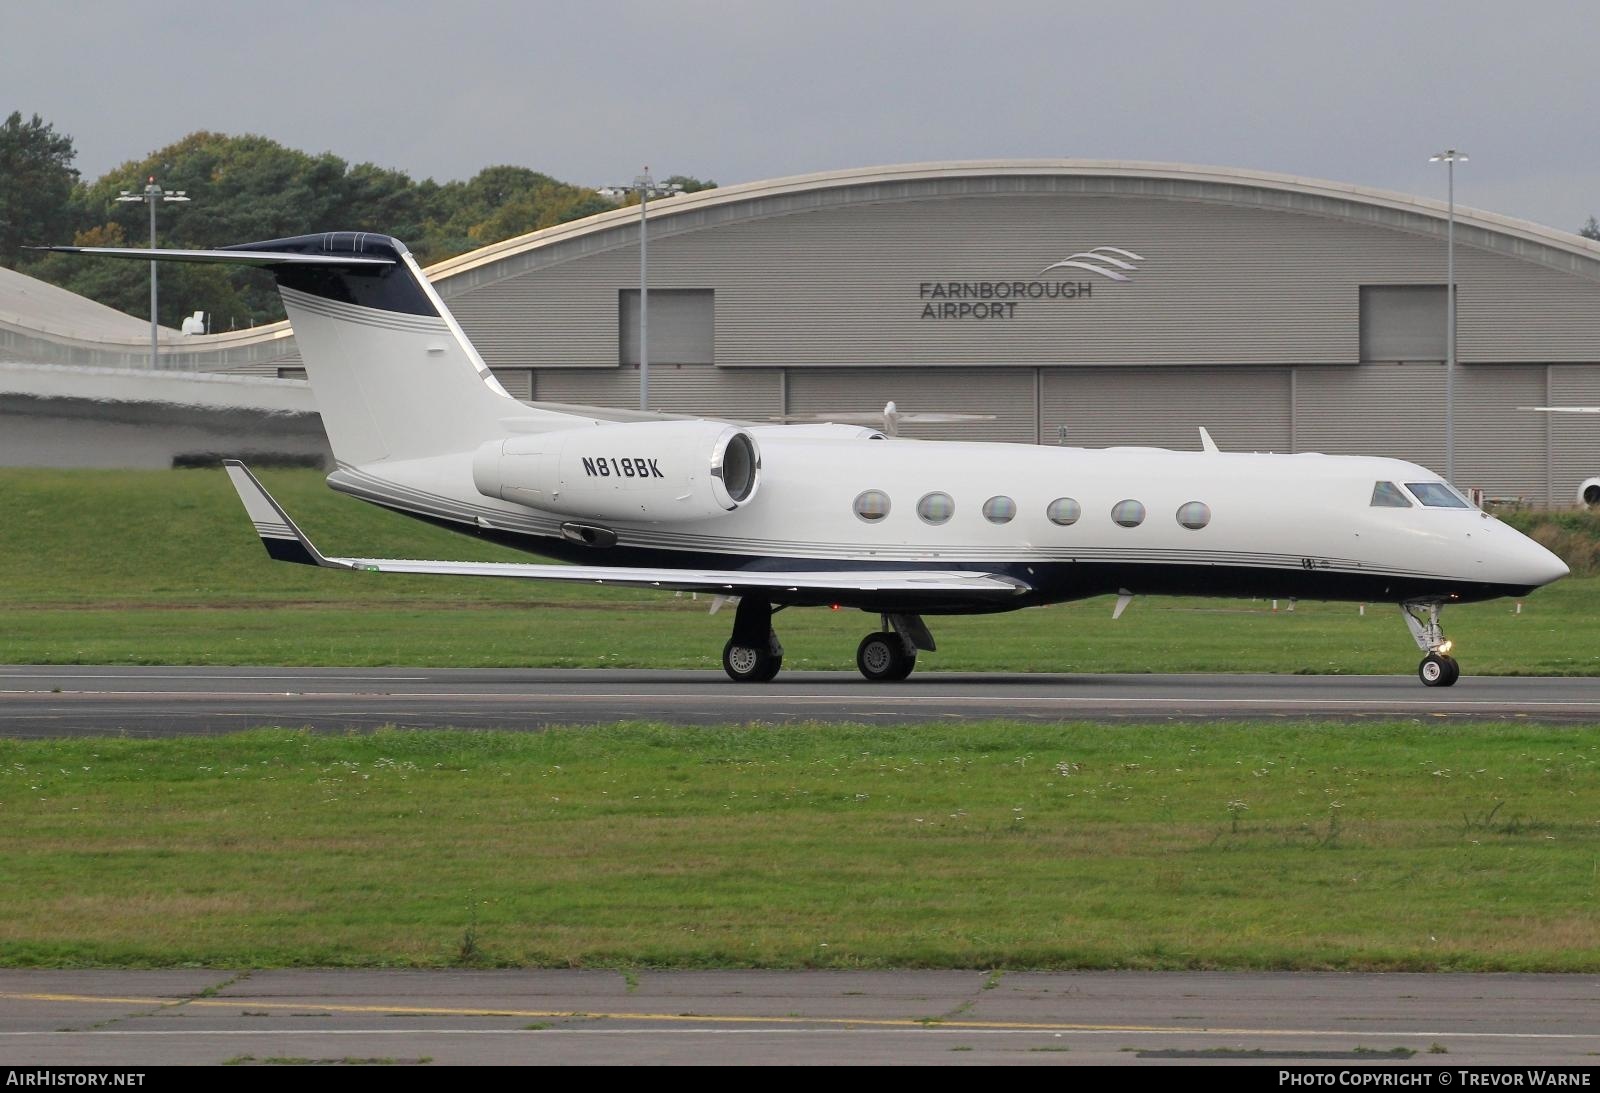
{"points": [[1386, 495], [1437, 495]]}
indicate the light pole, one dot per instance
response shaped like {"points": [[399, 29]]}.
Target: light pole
{"points": [[645, 186], [1449, 158], [153, 195]]}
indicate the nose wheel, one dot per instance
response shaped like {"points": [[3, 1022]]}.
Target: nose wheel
{"points": [[1438, 667], [1438, 670]]}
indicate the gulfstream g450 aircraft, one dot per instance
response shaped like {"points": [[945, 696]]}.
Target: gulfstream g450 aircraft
{"points": [[802, 515]]}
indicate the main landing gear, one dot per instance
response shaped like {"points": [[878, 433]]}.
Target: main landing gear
{"points": [[1438, 667], [753, 654]]}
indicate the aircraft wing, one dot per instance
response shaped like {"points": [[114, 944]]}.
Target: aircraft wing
{"points": [[285, 542], [1562, 409]]}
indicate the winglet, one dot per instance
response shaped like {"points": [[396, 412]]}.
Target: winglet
{"points": [[1206, 443], [284, 541]]}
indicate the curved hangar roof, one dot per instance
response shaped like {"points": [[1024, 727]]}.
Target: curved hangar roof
{"points": [[69, 335], [1486, 231]]}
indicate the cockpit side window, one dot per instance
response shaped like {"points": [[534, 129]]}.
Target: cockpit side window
{"points": [[1386, 495], [1437, 495]]}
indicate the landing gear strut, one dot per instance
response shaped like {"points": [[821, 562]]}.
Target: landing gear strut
{"points": [[753, 654], [1438, 668]]}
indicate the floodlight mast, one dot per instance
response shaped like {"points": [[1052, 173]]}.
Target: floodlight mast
{"points": [[1449, 157], [153, 195], [645, 186]]}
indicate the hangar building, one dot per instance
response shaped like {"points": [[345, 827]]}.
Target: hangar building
{"points": [[1091, 303]]}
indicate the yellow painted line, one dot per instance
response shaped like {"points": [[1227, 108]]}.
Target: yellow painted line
{"points": [[447, 1011], [108, 999], [303, 1005]]}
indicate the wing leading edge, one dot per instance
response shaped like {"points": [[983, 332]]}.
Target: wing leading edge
{"points": [[285, 542]]}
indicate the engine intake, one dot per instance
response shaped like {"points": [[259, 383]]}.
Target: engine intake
{"points": [[657, 471]]}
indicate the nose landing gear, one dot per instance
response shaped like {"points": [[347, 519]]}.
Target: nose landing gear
{"points": [[1438, 667]]}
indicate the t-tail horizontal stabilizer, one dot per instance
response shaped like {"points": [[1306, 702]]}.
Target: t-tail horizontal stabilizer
{"points": [[287, 543]]}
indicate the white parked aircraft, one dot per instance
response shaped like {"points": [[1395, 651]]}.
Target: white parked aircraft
{"points": [[807, 515], [890, 418]]}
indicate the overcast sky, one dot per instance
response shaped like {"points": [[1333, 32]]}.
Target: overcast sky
{"points": [[1353, 91]]}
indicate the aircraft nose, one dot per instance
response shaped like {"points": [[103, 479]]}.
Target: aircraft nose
{"points": [[1537, 566]]}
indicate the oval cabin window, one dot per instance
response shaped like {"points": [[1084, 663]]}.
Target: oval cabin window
{"points": [[1128, 514], [1194, 515], [1064, 511], [872, 506], [999, 510], [936, 508]]}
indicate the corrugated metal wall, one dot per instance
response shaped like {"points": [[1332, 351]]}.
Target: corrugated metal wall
{"points": [[1498, 447], [518, 382], [1575, 438], [1244, 409], [1514, 312], [745, 394], [851, 285], [1373, 409]]}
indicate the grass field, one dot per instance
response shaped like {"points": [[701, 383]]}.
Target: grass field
{"points": [[161, 567], [995, 845]]}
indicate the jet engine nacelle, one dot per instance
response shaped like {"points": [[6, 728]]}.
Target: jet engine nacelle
{"points": [[647, 470]]}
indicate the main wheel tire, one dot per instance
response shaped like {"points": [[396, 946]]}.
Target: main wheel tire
{"points": [[1438, 670], [748, 664], [882, 657]]}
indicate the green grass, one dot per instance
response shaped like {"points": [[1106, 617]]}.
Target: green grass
{"points": [[161, 567], [991, 845]]}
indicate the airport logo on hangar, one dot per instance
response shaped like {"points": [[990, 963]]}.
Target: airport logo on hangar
{"points": [[962, 300]]}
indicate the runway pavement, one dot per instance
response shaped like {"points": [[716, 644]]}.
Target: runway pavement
{"points": [[163, 701], [133, 1018]]}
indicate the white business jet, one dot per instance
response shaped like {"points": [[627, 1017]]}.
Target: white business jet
{"points": [[786, 516]]}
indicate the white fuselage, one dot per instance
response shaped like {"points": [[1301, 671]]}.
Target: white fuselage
{"points": [[1275, 524]]}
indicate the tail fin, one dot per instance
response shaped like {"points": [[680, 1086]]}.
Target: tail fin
{"points": [[392, 371]]}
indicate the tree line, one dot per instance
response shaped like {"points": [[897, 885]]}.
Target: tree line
{"points": [[243, 188]]}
